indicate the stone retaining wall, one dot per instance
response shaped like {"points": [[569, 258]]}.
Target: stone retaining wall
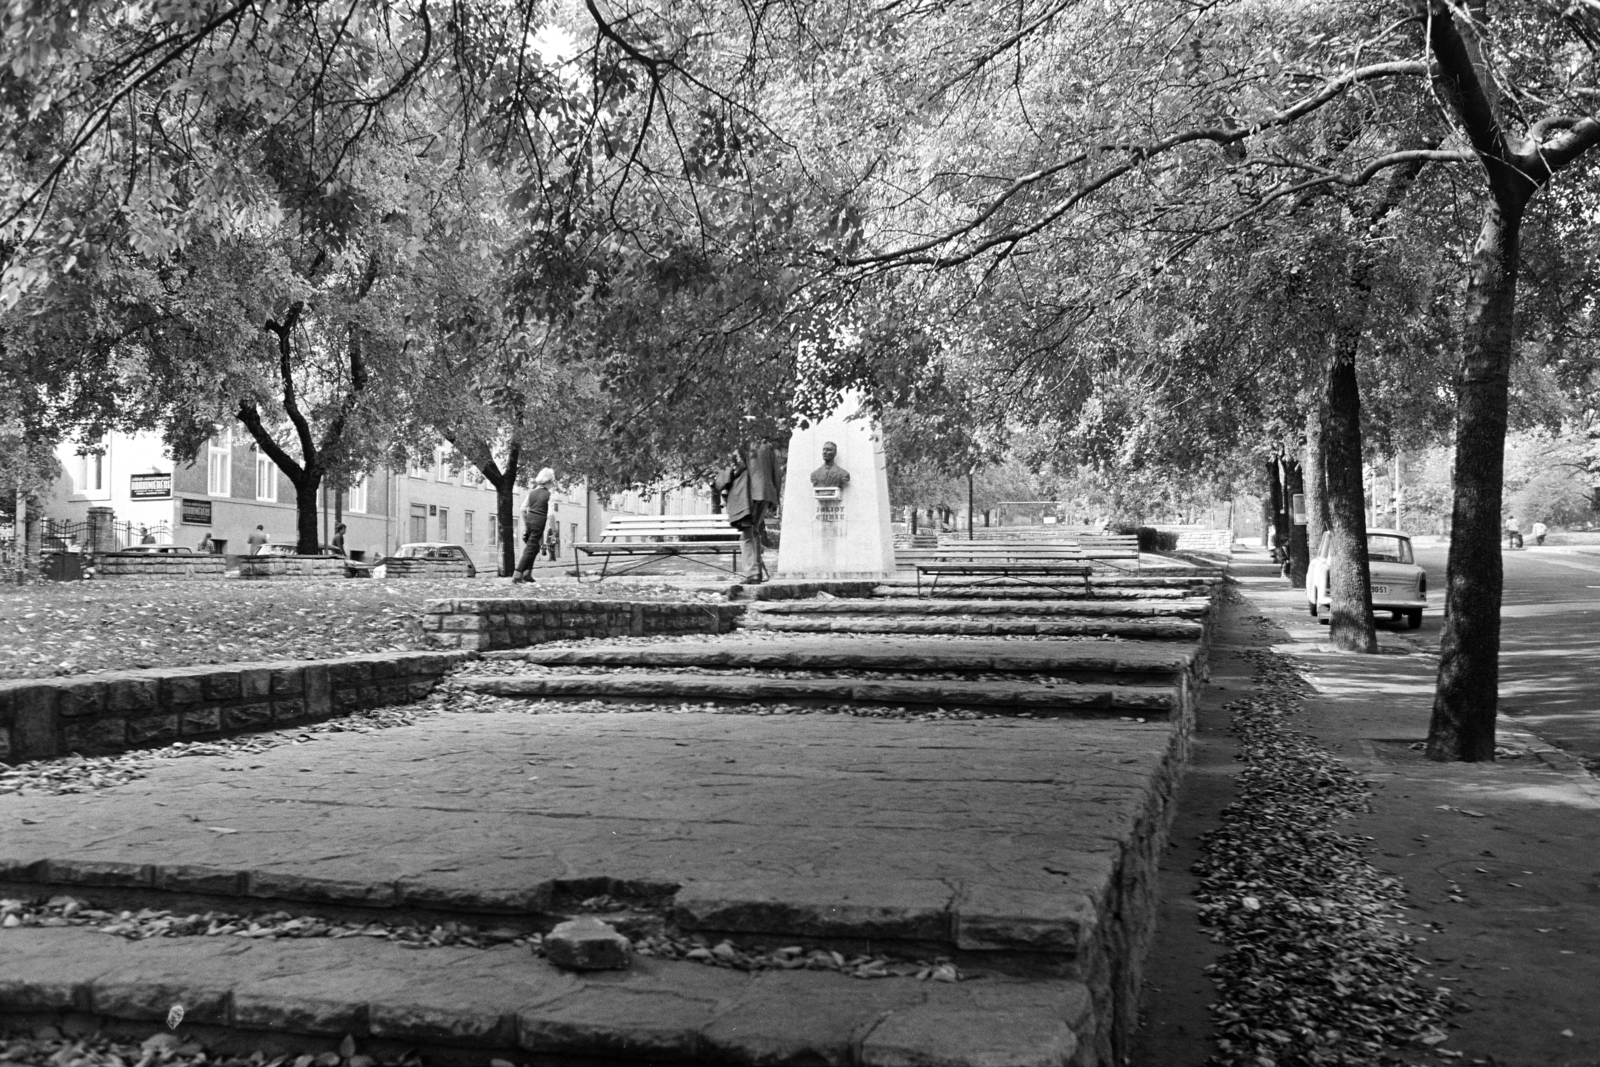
{"points": [[484, 625], [104, 713], [154, 566], [426, 568], [291, 567]]}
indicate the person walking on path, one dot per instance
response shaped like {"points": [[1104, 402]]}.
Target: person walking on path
{"points": [[207, 546], [338, 538], [1538, 531], [257, 540], [145, 536], [752, 488], [535, 512], [1513, 533]]}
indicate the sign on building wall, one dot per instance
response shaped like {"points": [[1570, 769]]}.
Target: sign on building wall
{"points": [[151, 486], [195, 512]]}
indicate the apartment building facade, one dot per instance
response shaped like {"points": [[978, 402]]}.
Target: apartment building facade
{"points": [[231, 487]]}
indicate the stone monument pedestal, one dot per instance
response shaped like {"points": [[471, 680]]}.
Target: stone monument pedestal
{"points": [[836, 514]]}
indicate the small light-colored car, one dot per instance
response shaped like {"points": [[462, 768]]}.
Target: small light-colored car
{"points": [[156, 550], [431, 550], [1398, 584], [353, 568]]}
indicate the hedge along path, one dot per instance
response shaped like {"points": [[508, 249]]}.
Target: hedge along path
{"points": [[1312, 974]]}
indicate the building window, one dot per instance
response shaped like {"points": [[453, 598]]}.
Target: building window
{"points": [[466, 527], [219, 464], [419, 522], [416, 469], [471, 476], [266, 478], [494, 528], [441, 465], [355, 497], [93, 475], [444, 524]]}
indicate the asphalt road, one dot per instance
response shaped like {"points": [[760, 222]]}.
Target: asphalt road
{"points": [[1549, 643]]}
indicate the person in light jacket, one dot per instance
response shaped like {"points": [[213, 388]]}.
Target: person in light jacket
{"points": [[535, 513]]}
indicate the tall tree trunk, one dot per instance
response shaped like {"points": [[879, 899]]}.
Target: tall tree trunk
{"points": [[1350, 625], [505, 514], [1316, 474], [306, 508], [1293, 483], [1464, 704]]}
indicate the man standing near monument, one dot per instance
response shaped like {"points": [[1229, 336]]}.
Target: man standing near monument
{"points": [[752, 490], [830, 473]]}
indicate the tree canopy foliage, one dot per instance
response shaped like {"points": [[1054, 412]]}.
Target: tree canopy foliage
{"points": [[1140, 240]]}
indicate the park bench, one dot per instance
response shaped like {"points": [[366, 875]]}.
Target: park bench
{"points": [[643, 539], [1036, 563]]}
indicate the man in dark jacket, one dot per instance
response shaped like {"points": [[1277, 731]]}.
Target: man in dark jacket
{"points": [[535, 512], [752, 489]]}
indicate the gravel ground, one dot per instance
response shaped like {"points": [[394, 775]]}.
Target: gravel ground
{"points": [[1316, 971], [153, 922], [83, 627], [46, 1046], [519, 668]]}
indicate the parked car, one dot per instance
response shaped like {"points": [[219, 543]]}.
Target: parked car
{"points": [[159, 550], [432, 550], [1398, 584], [353, 568]]}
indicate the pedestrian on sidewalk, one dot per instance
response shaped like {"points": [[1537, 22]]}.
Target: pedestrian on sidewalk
{"points": [[535, 513], [207, 546], [1539, 530], [257, 540], [1513, 533]]}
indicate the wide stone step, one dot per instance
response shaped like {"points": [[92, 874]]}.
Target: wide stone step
{"points": [[1134, 629], [1066, 698], [1098, 581], [466, 1005], [1084, 661], [1017, 590], [1187, 607]]}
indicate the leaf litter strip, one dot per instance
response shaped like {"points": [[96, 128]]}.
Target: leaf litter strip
{"points": [[1312, 974]]}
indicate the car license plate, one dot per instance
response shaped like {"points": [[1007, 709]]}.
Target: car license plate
{"points": [[1380, 590]]}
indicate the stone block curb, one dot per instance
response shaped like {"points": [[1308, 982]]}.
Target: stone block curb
{"points": [[99, 714], [255, 568], [484, 624], [155, 566]]}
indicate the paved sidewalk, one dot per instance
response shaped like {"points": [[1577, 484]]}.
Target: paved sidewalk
{"points": [[1501, 861]]}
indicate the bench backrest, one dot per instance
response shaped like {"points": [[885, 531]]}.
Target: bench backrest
{"points": [[992, 551], [672, 527]]}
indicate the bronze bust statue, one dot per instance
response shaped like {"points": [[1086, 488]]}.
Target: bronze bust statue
{"points": [[830, 473]]}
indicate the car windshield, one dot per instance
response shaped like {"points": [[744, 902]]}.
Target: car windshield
{"points": [[1386, 548]]}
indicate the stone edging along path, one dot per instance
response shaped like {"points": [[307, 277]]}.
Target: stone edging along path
{"points": [[98, 714]]}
